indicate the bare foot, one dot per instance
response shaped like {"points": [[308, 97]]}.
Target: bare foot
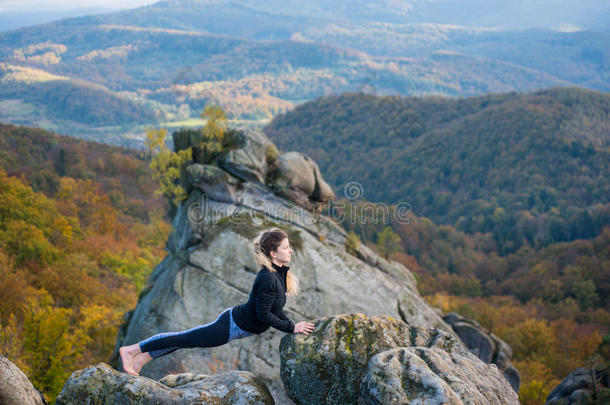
{"points": [[140, 360], [128, 354]]}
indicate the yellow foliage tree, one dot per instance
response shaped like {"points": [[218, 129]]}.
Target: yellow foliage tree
{"points": [[52, 346], [166, 165], [214, 131]]}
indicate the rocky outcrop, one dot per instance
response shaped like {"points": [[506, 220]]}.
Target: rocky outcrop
{"points": [[15, 387], [251, 157], [581, 386], [210, 266], [486, 346], [101, 384], [297, 178], [353, 358], [249, 160]]}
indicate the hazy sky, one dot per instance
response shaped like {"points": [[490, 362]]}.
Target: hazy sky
{"points": [[37, 5]]}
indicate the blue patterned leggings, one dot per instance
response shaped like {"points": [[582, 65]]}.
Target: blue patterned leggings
{"points": [[212, 334]]}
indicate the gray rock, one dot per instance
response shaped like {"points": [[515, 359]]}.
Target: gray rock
{"points": [[577, 387], [248, 161], [101, 384], [15, 387], [480, 344], [298, 178], [486, 346], [433, 376], [186, 230], [213, 181], [327, 366]]}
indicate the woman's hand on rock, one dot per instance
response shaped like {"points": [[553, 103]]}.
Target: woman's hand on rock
{"points": [[304, 327]]}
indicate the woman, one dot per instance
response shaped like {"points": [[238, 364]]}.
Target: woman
{"points": [[263, 310]]}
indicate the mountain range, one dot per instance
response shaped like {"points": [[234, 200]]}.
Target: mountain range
{"points": [[108, 76]]}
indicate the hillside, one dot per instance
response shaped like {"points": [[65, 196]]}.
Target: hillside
{"points": [[108, 76], [482, 164], [44, 158], [80, 231]]}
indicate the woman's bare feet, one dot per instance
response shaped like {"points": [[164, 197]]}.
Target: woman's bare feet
{"points": [[140, 360], [128, 356]]}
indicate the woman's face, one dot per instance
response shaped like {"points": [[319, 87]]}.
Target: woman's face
{"points": [[282, 254]]}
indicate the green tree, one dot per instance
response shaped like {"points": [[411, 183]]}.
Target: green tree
{"points": [[388, 242]]}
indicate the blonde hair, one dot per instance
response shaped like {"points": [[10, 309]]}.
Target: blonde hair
{"points": [[270, 240]]}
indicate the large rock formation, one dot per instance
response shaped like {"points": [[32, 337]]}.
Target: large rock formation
{"points": [[15, 387], [210, 266], [486, 346], [101, 384], [353, 359]]}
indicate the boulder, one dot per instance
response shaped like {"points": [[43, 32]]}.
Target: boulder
{"points": [[101, 384], [353, 358], [248, 160], [327, 366], [297, 177], [433, 376], [15, 387], [486, 346]]}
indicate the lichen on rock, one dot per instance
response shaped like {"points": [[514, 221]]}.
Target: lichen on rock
{"points": [[101, 384], [327, 366]]}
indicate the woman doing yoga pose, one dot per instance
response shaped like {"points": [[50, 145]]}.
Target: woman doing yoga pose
{"points": [[263, 310]]}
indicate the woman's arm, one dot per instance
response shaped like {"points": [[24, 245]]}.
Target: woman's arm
{"points": [[283, 316]]}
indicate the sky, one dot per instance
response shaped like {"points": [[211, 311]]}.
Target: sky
{"points": [[38, 5]]}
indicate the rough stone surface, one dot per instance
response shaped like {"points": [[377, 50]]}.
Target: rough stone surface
{"points": [[327, 366], [421, 375], [101, 384], [486, 346], [213, 181], [248, 160], [15, 387]]}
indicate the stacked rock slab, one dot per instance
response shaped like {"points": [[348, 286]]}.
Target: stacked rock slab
{"points": [[210, 266], [102, 385], [355, 359], [486, 346]]}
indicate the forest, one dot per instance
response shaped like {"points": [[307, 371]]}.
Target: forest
{"points": [[80, 231], [550, 305], [81, 228], [529, 169]]}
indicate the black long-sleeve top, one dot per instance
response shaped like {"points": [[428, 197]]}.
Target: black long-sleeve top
{"points": [[265, 305]]}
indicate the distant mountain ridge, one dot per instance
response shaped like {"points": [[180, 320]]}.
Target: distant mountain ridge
{"points": [[165, 61]]}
